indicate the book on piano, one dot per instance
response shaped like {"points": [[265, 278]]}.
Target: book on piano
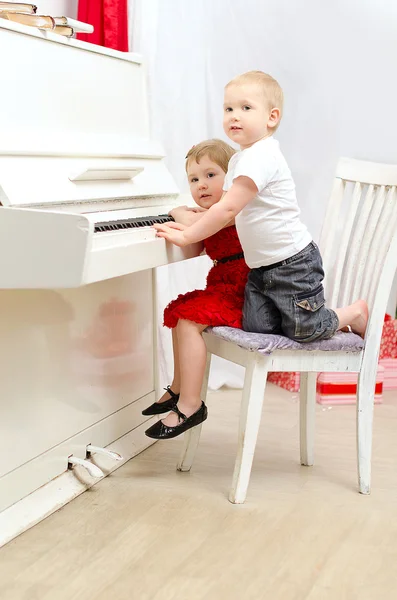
{"points": [[63, 30], [18, 7], [78, 26], [39, 21], [62, 25]]}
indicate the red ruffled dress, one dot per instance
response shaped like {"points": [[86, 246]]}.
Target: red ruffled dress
{"points": [[221, 302]]}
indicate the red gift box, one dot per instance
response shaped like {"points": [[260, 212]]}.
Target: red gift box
{"points": [[390, 366], [388, 343], [388, 350], [289, 381], [341, 388]]}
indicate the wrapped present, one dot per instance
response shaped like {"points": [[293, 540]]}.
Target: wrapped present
{"points": [[388, 354], [390, 367], [341, 388], [388, 343], [288, 381]]}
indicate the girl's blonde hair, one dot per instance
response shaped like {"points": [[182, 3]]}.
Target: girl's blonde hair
{"points": [[217, 150]]}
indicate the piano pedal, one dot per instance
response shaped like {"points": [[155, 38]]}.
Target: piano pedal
{"points": [[93, 470], [104, 451]]}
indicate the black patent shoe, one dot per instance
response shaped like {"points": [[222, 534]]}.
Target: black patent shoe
{"points": [[159, 431], [158, 408]]}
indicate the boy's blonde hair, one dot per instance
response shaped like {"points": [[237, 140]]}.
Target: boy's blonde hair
{"points": [[271, 88], [217, 150]]}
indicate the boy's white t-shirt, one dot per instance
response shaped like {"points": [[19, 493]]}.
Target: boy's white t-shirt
{"points": [[269, 226]]}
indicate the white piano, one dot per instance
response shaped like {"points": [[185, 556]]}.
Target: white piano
{"points": [[78, 174]]}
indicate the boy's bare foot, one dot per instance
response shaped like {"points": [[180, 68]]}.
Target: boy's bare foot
{"points": [[359, 324], [355, 315]]}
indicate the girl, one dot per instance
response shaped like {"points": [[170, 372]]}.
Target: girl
{"points": [[220, 303]]}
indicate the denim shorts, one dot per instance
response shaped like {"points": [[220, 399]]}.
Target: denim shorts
{"points": [[288, 299]]}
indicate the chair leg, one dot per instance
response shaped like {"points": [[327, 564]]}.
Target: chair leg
{"points": [[250, 417], [192, 437], [307, 417], [365, 412]]}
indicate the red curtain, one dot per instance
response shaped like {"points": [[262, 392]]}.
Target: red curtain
{"points": [[110, 21]]}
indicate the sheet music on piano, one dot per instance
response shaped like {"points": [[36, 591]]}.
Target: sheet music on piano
{"points": [[79, 172]]}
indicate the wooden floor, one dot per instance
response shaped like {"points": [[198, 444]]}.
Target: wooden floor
{"points": [[150, 533]]}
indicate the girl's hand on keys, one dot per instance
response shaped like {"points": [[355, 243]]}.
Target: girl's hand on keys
{"points": [[172, 232]]}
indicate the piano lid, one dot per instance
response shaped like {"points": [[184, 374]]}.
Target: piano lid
{"points": [[75, 125], [59, 182]]}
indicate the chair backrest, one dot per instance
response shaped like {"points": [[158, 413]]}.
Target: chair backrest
{"points": [[358, 232]]}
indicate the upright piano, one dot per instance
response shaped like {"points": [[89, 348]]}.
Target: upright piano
{"points": [[81, 181]]}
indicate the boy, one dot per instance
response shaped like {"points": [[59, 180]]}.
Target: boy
{"points": [[284, 292]]}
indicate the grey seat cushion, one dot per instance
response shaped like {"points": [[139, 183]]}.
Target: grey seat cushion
{"points": [[268, 343]]}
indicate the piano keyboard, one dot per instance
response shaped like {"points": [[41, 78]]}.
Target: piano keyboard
{"points": [[131, 223]]}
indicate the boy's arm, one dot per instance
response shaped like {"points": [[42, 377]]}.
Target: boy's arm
{"points": [[215, 218]]}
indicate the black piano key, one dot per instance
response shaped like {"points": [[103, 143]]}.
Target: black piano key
{"points": [[131, 223]]}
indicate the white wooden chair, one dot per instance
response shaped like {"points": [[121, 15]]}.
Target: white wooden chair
{"points": [[359, 249]]}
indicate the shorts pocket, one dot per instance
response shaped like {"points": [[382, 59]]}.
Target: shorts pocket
{"points": [[307, 305], [311, 301]]}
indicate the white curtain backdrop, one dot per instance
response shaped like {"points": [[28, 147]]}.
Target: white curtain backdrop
{"points": [[336, 62]]}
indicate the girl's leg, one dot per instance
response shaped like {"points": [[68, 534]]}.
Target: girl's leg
{"points": [[192, 360], [355, 315], [176, 382]]}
